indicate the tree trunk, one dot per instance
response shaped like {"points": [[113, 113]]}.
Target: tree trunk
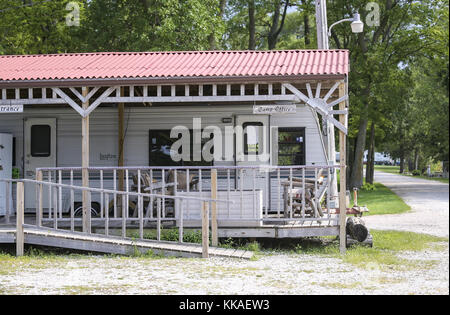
{"points": [[356, 179], [370, 167], [275, 30], [357, 229], [306, 25], [251, 25], [410, 164], [416, 159], [350, 155], [402, 160]]}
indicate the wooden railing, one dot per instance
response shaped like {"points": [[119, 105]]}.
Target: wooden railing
{"points": [[260, 193], [56, 218]]}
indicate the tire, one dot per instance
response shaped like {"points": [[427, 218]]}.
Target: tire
{"points": [[79, 212]]}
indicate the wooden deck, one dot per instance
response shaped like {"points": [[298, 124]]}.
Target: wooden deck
{"points": [[111, 244], [270, 229]]}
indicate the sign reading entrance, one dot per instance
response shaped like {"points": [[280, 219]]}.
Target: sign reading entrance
{"points": [[274, 109], [7, 109]]}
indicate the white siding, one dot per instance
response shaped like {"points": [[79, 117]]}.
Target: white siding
{"points": [[138, 122]]}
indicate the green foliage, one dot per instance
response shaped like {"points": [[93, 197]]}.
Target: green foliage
{"points": [[416, 173], [109, 25], [368, 187], [15, 173], [172, 235], [37, 29], [139, 25]]}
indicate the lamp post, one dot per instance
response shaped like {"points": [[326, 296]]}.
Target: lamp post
{"points": [[357, 25], [323, 33]]}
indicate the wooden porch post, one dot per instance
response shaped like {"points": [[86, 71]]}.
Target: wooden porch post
{"points": [[85, 165], [121, 141], [20, 219], [343, 185], [214, 232]]}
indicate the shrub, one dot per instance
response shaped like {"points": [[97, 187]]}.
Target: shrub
{"points": [[416, 173], [15, 173], [368, 187]]}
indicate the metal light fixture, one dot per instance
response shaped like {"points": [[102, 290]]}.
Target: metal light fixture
{"points": [[357, 25]]}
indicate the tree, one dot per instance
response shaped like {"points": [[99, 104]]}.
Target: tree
{"points": [[37, 27], [255, 24], [402, 34], [144, 25]]}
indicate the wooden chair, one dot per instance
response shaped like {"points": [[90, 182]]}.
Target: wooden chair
{"points": [[313, 198], [181, 181]]}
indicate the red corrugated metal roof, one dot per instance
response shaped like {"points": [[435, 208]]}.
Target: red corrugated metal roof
{"points": [[126, 65]]}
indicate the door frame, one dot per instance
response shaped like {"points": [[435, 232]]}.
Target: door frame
{"points": [[27, 123]]}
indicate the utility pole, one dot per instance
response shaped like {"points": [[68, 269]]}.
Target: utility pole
{"points": [[322, 24], [322, 42]]}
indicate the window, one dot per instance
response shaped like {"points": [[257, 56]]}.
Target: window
{"points": [[159, 151], [41, 140], [160, 146], [252, 137], [291, 146]]}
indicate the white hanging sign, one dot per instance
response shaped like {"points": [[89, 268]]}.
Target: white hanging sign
{"points": [[274, 109], [11, 109]]}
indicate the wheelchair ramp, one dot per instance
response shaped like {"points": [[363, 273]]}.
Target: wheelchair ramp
{"points": [[114, 245]]}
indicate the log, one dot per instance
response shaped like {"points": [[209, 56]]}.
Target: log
{"points": [[357, 229]]}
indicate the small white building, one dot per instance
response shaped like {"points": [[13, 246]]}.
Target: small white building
{"points": [[130, 103]]}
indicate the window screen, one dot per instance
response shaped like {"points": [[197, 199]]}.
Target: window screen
{"points": [[41, 140], [291, 146]]}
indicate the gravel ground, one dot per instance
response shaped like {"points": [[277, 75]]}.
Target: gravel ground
{"points": [[278, 273], [275, 274], [428, 201]]}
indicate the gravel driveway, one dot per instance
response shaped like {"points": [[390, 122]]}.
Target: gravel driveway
{"points": [[276, 274], [428, 201]]}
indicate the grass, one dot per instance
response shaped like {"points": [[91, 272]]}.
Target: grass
{"points": [[381, 200], [384, 253], [189, 235], [396, 170], [35, 259], [195, 236]]}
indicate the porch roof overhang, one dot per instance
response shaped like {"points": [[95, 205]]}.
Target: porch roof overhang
{"points": [[171, 67], [84, 81]]}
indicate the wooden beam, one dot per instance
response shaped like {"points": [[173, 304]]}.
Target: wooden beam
{"points": [[20, 219], [121, 140], [39, 195], [68, 100], [343, 175], [85, 164], [205, 230], [214, 234]]}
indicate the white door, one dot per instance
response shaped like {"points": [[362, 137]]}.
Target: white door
{"points": [[5, 170], [253, 149], [39, 151]]}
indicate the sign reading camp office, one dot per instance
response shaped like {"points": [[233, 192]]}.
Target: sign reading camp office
{"points": [[11, 109], [274, 109]]}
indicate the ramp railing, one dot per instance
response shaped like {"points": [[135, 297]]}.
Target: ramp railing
{"points": [[148, 210]]}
